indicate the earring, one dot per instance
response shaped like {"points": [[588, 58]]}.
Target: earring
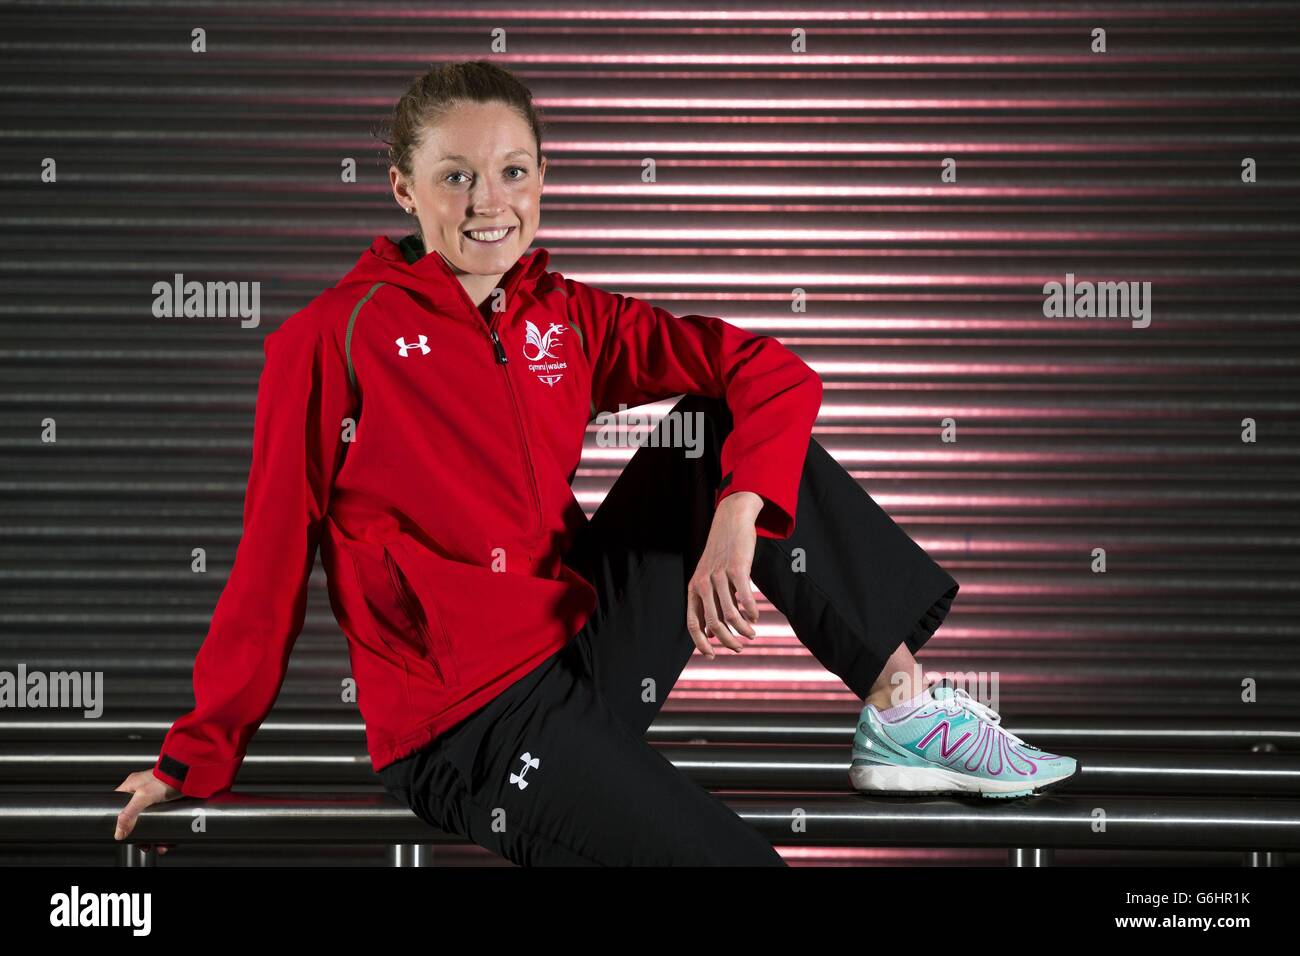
{"points": [[410, 210]]}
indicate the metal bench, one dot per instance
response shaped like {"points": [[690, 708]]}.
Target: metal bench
{"points": [[1231, 786], [1030, 829]]}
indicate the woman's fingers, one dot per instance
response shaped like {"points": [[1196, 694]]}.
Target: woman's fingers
{"points": [[702, 618], [145, 790], [695, 622], [710, 609], [714, 616], [126, 819], [724, 581], [745, 600]]}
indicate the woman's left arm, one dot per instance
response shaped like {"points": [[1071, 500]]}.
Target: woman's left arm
{"points": [[640, 353]]}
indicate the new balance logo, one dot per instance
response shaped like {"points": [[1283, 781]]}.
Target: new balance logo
{"points": [[403, 348], [941, 730], [530, 763]]}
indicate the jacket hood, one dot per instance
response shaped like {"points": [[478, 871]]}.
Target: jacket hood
{"points": [[406, 263]]}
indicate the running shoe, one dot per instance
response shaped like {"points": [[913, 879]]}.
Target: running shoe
{"points": [[949, 743]]}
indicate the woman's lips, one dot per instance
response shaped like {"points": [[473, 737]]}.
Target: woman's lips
{"points": [[485, 242]]}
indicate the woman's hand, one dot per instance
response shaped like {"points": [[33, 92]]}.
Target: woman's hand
{"points": [[718, 594], [145, 790]]}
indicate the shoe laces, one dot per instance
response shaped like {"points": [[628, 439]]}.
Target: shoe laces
{"points": [[961, 700]]}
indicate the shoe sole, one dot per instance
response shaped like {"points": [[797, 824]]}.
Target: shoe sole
{"points": [[887, 781]]}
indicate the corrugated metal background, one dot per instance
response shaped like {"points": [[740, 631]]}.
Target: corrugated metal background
{"points": [[817, 170]]}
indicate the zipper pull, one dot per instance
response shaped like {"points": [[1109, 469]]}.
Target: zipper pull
{"points": [[501, 352]]}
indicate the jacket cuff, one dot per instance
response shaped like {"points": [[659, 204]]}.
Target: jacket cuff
{"points": [[195, 780]]}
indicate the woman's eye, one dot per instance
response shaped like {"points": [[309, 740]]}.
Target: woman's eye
{"points": [[523, 170]]}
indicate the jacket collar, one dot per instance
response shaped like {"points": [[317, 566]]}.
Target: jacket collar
{"points": [[432, 274], [432, 283], [412, 247]]}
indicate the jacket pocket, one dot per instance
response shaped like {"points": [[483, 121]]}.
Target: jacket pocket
{"points": [[432, 633]]}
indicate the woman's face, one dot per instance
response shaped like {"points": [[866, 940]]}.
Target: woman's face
{"points": [[475, 170]]}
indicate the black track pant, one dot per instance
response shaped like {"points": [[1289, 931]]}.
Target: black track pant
{"points": [[556, 771]]}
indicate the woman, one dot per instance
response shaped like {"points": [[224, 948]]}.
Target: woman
{"points": [[508, 654]]}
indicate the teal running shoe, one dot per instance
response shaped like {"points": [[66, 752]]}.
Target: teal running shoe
{"points": [[949, 744]]}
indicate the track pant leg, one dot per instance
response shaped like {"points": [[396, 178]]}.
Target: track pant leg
{"points": [[549, 776], [852, 583]]}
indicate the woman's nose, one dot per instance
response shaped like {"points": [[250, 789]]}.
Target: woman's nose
{"points": [[488, 200]]}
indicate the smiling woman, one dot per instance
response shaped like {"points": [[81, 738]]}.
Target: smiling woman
{"points": [[509, 653], [466, 148]]}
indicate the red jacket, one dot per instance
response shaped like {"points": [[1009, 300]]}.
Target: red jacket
{"points": [[442, 517]]}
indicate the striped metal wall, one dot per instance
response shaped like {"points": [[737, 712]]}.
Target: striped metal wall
{"points": [[794, 150]]}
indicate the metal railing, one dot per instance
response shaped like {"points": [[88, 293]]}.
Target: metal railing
{"points": [[1030, 829], [311, 787]]}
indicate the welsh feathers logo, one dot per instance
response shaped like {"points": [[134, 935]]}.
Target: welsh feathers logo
{"points": [[541, 343], [542, 346]]}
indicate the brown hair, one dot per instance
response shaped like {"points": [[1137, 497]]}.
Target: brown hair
{"points": [[431, 95]]}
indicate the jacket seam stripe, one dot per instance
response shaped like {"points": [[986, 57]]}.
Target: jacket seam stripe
{"points": [[582, 341], [347, 341], [611, 331], [577, 331]]}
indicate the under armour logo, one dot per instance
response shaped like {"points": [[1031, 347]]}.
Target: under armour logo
{"points": [[530, 763], [421, 345]]}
